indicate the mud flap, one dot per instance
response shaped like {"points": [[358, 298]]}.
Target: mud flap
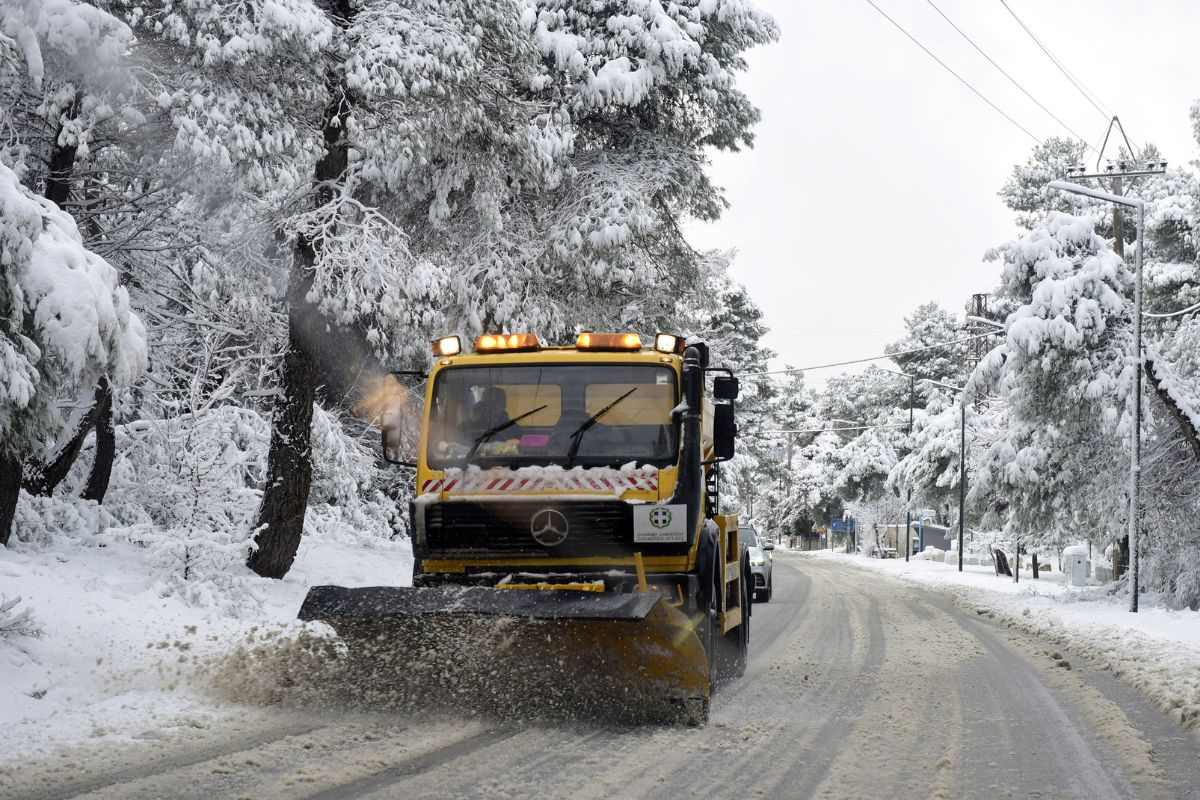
{"points": [[597, 653]]}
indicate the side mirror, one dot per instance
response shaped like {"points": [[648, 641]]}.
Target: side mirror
{"points": [[726, 388], [724, 432], [768, 546], [399, 418], [395, 448]]}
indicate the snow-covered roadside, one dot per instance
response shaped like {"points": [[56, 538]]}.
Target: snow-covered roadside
{"points": [[116, 650], [1157, 650]]}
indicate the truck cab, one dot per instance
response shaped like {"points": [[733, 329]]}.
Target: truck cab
{"points": [[568, 465]]}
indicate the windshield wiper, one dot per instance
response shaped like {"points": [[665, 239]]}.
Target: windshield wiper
{"points": [[577, 436], [492, 431]]}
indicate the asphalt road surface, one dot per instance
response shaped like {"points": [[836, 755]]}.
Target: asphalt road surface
{"points": [[858, 686]]}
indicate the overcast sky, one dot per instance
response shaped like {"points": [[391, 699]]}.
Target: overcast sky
{"points": [[872, 185]]}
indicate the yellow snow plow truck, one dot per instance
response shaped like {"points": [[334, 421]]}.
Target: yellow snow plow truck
{"points": [[568, 543]]}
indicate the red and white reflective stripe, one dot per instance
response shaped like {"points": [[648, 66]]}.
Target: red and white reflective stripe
{"points": [[491, 482]]}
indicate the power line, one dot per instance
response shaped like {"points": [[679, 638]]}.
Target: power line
{"points": [[1010, 77], [835, 430], [872, 358], [832, 333], [1088, 94], [1178, 313], [962, 80]]}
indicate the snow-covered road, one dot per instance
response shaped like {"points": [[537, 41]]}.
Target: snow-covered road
{"points": [[859, 686]]}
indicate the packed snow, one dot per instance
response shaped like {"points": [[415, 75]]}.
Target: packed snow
{"points": [[1157, 650]]}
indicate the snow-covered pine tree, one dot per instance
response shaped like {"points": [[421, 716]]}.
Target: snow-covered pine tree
{"points": [[1171, 282], [866, 461], [646, 88], [1057, 465], [731, 323], [931, 324], [816, 500], [870, 397], [63, 318], [1025, 190], [929, 470], [64, 83]]}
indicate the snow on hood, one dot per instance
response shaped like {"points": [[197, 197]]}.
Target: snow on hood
{"points": [[542, 478]]}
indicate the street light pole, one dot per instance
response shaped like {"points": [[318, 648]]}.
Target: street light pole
{"points": [[962, 478], [1135, 445]]}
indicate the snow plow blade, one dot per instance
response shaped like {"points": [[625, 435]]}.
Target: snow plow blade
{"points": [[578, 653]]}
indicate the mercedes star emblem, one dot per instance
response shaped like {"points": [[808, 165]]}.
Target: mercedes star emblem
{"points": [[549, 527]]}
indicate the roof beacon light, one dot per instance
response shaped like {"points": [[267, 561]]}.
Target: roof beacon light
{"points": [[507, 343], [447, 346], [669, 343], [608, 341]]}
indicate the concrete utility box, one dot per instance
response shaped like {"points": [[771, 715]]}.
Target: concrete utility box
{"points": [[1077, 565]]}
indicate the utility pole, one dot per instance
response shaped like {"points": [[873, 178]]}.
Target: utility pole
{"points": [[912, 391], [1137, 355], [962, 479], [1118, 187]]}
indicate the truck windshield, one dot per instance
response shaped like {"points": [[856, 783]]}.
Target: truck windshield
{"points": [[589, 415]]}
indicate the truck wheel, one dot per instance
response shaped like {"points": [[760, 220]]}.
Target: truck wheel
{"points": [[712, 640], [734, 646]]}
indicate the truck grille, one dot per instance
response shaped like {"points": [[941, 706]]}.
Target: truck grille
{"points": [[593, 528]]}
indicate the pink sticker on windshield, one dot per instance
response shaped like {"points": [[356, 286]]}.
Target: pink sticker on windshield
{"points": [[535, 440]]}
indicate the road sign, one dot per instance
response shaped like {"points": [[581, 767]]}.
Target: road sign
{"points": [[841, 525]]}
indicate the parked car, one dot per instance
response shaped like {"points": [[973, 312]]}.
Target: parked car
{"points": [[760, 562]]}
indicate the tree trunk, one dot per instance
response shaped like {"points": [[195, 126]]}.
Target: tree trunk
{"points": [[57, 189], [10, 492], [43, 479], [62, 161], [1156, 376], [106, 445], [289, 461]]}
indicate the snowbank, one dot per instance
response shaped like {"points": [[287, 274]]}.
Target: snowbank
{"points": [[1157, 650], [118, 646]]}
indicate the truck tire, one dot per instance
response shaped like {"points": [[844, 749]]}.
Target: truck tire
{"points": [[734, 646], [713, 639]]}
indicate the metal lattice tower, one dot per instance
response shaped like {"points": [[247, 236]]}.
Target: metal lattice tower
{"points": [[977, 348]]}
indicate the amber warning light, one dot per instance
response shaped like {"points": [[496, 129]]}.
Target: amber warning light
{"points": [[447, 346], [507, 342], [608, 341]]}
